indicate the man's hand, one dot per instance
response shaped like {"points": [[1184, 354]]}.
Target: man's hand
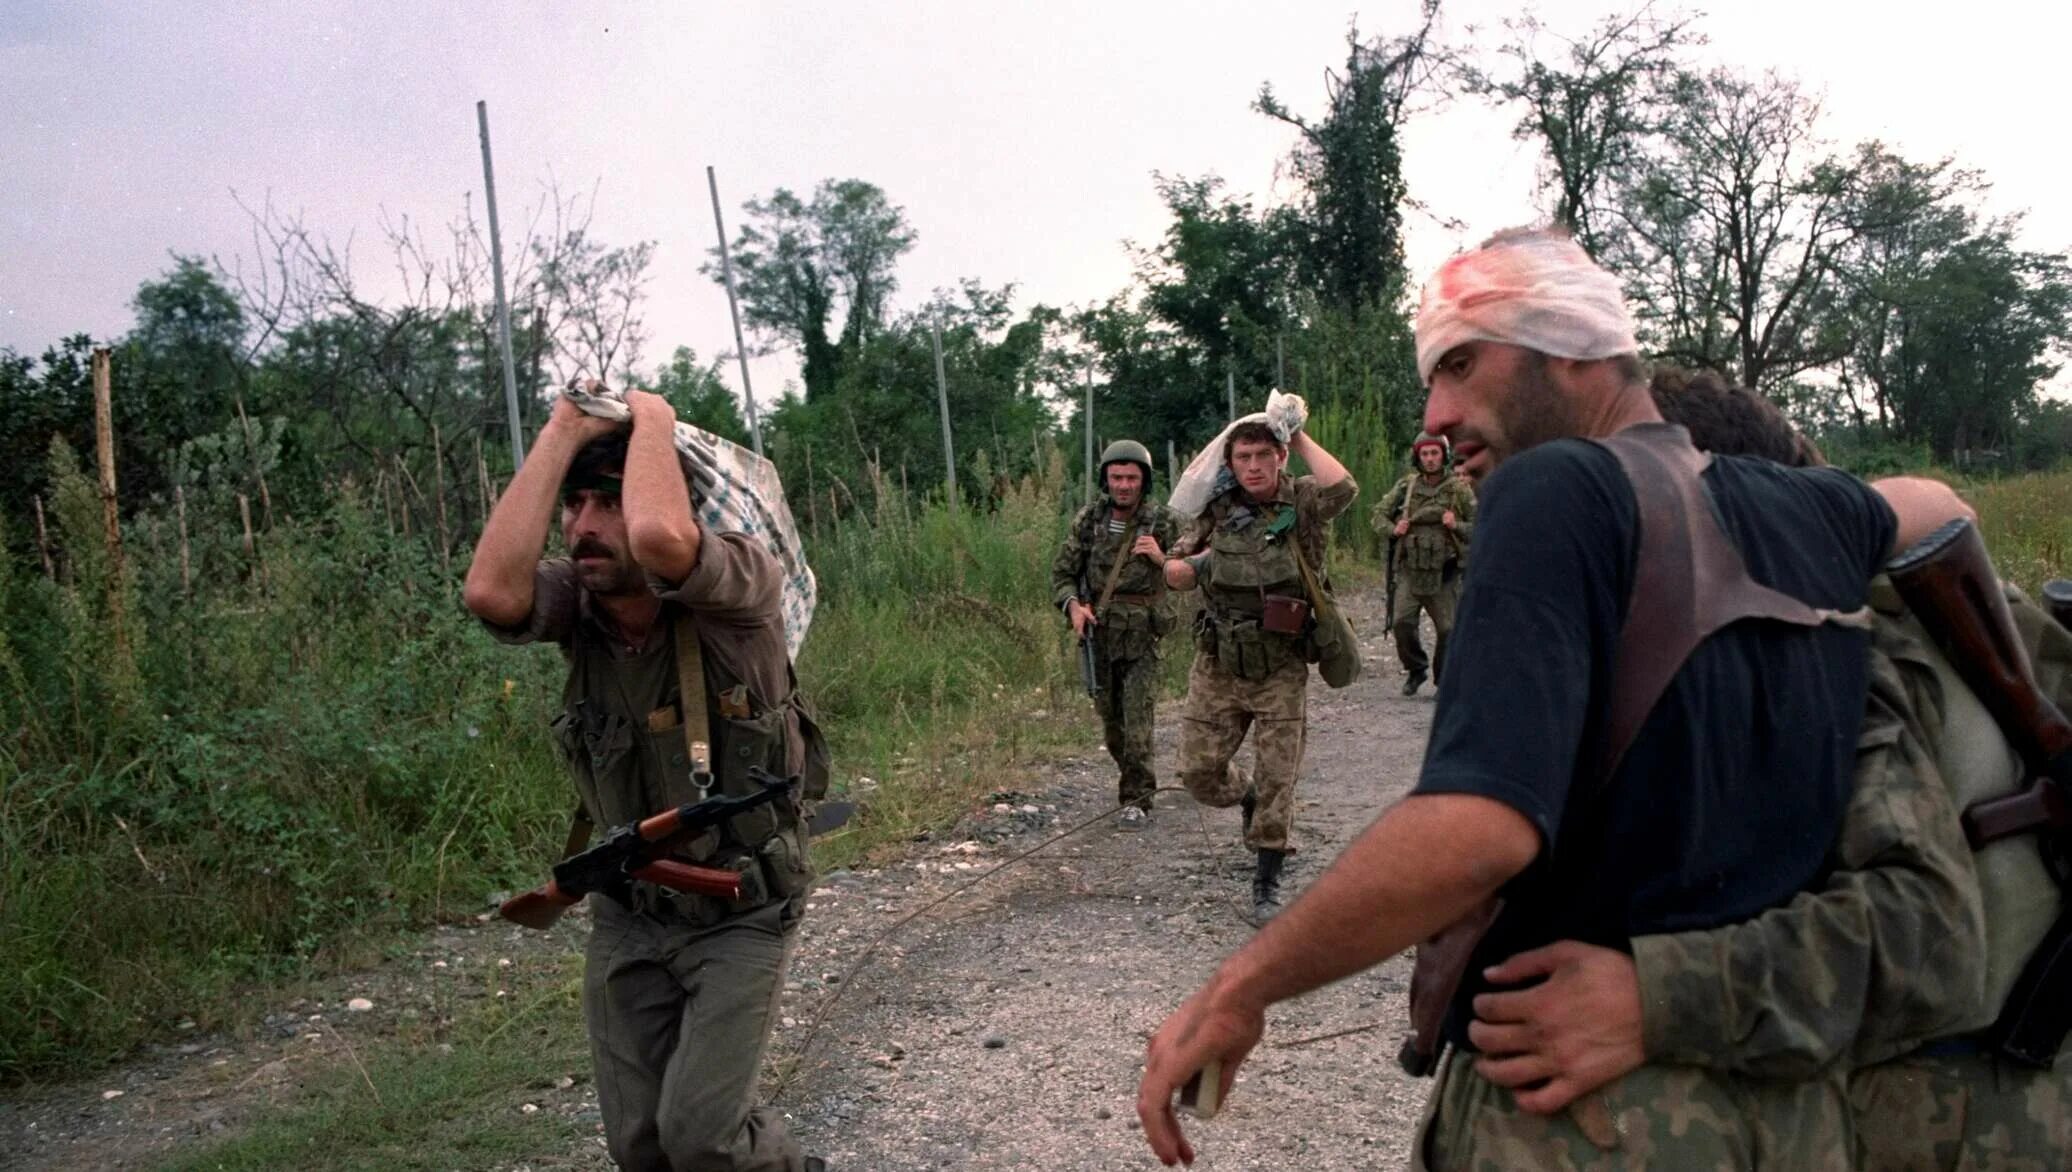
{"points": [[1403, 527], [1566, 1036], [650, 407], [1448, 519], [1081, 616], [1209, 1025], [1147, 546], [580, 426]]}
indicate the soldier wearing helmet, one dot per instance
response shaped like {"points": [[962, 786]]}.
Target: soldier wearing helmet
{"points": [[1425, 521], [1108, 581]]}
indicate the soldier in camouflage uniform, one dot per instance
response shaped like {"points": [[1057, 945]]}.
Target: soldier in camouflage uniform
{"points": [[1108, 580], [1426, 520], [1890, 957], [1244, 555]]}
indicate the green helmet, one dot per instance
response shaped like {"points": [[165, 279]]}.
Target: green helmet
{"points": [[1125, 451]]}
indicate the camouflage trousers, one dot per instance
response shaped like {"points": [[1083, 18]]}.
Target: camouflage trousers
{"points": [[1972, 1112], [1439, 602], [1221, 709], [1663, 1116], [1128, 705]]}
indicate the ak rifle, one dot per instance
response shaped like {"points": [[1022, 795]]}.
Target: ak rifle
{"points": [[1947, 581], [638, 850]]}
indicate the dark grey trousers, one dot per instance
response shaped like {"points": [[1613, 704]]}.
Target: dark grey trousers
{"points": [[679, 1016]]}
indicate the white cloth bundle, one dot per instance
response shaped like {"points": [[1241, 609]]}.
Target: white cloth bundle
{"points": [[734, 491], [1538, 290], [1207, 476]]}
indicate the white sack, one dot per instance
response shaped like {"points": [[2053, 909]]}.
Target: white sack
{"points": [[1207, 477]]}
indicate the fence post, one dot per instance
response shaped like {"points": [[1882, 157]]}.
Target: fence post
{"points": [[104, 452], [43, 540], [942, 395], [186, 578]]}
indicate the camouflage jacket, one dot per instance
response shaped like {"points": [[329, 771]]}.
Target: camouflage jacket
{"points": [[1423, 554], [1892, 950], [1088, 555]]}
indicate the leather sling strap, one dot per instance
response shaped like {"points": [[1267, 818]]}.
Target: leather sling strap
{"points": [[1325, 606], [1689, 581], [1122, 557], [690, 695], [690, 702]]}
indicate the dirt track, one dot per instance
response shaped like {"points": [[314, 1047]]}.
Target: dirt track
{"points": [[1003, 1029]]}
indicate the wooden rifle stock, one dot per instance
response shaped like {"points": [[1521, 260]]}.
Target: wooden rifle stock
{"points": [[1948, 582]]}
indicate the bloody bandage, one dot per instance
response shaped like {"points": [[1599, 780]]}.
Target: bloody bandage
{"points": [[1538, 290]]}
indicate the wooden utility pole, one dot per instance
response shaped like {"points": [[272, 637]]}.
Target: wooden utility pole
{"points": [[43, 540], [1172, 468], [503, 306], [1089, 429], [726, 270], [186, 575], [942, 396], [104, 452], [1230, 391]]}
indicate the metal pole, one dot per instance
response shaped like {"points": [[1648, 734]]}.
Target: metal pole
{"points": [[726, 272], [1280, 365], [1230, 390], [942, 396], [503, 306], [1172, 467], [1089, 429]]}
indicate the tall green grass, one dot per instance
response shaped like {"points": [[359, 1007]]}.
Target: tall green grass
{"points": [[313, 743]]}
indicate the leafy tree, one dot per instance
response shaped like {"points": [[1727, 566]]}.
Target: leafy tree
{"points": [[1350, 165], [1592, 104], [797, 262]]}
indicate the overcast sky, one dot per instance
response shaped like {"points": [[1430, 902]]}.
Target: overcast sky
{"points": [[1020, 139]]}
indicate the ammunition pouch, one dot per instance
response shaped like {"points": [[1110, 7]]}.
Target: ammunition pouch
{"points": [[1248, 650]]}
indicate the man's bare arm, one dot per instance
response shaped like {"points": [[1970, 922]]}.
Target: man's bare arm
{"points": [[660, 529], [499, 582], [1922, 505], [1388, 891]]}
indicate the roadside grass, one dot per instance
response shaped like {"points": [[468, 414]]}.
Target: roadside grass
{"points": [[2027, 523], [408, 1103], [311, 751]]}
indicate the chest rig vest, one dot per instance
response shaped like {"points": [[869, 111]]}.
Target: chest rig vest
{"points": [[629, 762], [1253, 557]]}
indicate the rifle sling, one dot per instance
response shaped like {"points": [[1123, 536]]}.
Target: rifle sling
{"points": [[1682, 553], [1122, 557], [690, 703]]}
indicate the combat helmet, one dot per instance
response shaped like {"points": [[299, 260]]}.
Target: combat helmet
{"points": [[1126, 451], [1427, 439]]}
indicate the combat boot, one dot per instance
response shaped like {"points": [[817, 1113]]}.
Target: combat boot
{"points": [[1266, 884], [1416, 680]]}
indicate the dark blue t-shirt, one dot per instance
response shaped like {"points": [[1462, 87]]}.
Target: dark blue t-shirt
{"points": [[1732, 793]]}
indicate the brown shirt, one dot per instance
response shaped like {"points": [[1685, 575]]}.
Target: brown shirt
{"points": [[732, 593]]}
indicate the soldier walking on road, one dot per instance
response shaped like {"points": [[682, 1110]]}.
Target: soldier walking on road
{"points": [[1258, 544], [1426, 519], [1107, 580]]}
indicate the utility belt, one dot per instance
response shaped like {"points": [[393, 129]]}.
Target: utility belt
{"points": [[1244, 645], [1134, 599]]}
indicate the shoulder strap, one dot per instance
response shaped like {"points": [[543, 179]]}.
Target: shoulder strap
{"points": [[1122, 557], [690, 693], [1689, 581]]}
